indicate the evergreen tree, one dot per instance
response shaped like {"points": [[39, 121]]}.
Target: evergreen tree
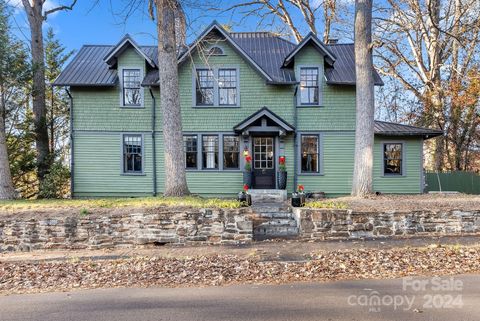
{"points": [[14, 73]]}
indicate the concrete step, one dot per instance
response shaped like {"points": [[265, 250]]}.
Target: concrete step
{"points": [[272, 231], [273, 215], [268, 195]]}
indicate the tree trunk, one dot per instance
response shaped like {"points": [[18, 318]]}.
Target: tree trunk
{"points": [[175, 177], [365, 105], [6, 185], [35, 19]]}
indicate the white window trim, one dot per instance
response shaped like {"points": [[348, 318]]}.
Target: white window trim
{"points": [[321, 75], [122, 150], [404, 154], [216, 103], [142, 90]]}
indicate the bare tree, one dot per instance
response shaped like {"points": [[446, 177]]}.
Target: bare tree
{"points": [[365, 104], [171, 30], [430, 46], [285, 11], [36, 17]]}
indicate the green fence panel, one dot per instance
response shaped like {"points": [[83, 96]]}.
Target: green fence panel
{"points": [[463, 182]]}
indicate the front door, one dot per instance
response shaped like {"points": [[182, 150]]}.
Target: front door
{"points": [[264, 162]]}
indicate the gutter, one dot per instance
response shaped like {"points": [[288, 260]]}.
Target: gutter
{"points": [[72, 154], [295, 140], [154, 147]]}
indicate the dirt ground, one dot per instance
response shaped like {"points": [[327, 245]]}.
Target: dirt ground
{"points": [[279, 250], [437, 201], [258, 263], [372, 203]]}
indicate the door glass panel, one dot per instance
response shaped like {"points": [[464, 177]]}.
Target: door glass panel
{"points": [[263, 153]]}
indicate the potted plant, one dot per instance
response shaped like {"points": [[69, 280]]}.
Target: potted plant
{"points": [[282, 173], [298, 198], [247, 173], [244, 197]]}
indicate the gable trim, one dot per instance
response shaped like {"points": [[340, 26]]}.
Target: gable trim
{"points": [[237, 48], [109, 58], [330, 57], [264, 112]]}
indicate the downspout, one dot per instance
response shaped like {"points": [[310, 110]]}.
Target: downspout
{"points": [[295, 140], [72, 154], [154, 147]]}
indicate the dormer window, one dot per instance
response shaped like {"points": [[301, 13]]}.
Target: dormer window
{"points": [[215, 51], [309, 88], [131, 88]]}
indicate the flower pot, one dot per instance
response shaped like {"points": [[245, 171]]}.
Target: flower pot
{"points": [[247, 179], [245, 199], [282, 180], [298, 200]]}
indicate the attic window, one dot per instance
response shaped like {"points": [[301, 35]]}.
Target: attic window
{"points": [[215, 51]]}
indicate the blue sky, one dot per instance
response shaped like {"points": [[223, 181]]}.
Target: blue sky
{"points": [[103, 23]]}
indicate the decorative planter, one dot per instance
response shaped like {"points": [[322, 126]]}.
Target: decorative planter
{"points": [[247, 179], [282, 180], [298, 200], [245, 199]]}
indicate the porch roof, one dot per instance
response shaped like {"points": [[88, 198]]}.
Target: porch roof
{"points": [[264, 113]]}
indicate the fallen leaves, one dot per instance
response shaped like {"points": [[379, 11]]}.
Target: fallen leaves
{"points": [[230, 269]]}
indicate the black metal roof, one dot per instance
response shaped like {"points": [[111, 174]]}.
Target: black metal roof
{"points": [[267, 51], [394, 129]]}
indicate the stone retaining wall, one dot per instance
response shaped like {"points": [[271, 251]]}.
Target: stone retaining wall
{"points": [[156, 227], [346, 224]]}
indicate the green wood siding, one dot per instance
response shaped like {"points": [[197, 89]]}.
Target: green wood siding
{"points": [[99, 121], [411, 180], [254, 94], [338, 109]]}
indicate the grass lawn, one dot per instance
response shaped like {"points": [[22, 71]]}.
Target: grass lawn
{"points": [[111, 203]]}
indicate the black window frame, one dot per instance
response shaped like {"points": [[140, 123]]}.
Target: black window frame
{"points": [[125, 154], [125, 87], [237, 138], [385, 159], [216, 153], [318, 154], [199, 87], [195, 152], [308, 87], [232, 79]]}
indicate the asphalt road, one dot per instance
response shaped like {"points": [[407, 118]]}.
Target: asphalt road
{"points": [[422, 299]]}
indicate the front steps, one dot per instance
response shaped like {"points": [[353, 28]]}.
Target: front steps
{"points": [[274, 216], [268, 195]]}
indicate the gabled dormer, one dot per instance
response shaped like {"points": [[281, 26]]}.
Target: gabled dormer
{"points": [[132, 64]]}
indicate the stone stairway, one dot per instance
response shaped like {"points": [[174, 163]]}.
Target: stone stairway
{"points": [[274, 215]]}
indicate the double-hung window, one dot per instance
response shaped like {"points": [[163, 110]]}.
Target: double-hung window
{"points": [[216, 87], [310, 154], [227, 87], [132, 154], [205, 87], [393, 159], [131, 88], [210, 152], [191, 149], [231, 152], [309, 86]]}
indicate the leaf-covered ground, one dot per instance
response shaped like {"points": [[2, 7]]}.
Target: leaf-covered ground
{"points": [[218, 270]]}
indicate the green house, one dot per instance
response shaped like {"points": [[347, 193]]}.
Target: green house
{"points": [[245, 92]]}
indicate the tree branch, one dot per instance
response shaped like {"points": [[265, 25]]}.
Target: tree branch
{"points": [[59, 8]]}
